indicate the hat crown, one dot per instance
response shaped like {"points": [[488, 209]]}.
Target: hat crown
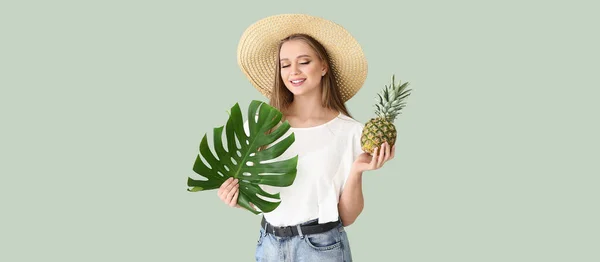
{"points": [[257, 50]]}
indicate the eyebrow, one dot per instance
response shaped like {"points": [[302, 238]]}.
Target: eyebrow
{"points": [[296, 57]]}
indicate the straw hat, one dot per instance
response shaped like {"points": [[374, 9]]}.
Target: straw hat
{"points": [[257, 50]]}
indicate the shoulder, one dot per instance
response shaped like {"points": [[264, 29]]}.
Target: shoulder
{"points": [[349, 124], [350, 121]]}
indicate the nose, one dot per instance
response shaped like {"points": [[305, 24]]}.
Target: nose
{"points": [[294, 70]]}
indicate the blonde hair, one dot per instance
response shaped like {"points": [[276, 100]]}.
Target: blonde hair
{"points": [[331, 97]]}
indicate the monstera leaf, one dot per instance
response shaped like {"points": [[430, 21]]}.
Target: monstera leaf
{"points": [[241, 158]]}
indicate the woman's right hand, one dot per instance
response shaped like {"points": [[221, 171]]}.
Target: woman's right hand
{"points": [[228, 192]]}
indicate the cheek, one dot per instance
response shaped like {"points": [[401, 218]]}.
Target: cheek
{"points": [[315, 70], [284, 76]]}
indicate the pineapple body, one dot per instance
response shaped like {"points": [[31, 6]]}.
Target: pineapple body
{"points": [[381, 129], [376, 132]]}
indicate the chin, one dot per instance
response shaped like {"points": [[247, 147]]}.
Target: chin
{"points": [[299, 90]]}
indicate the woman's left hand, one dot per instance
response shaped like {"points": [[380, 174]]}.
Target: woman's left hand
{"points": [[366, 161]]}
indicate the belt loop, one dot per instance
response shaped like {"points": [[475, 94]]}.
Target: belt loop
{"points": [[265, 229], [300, 231]]}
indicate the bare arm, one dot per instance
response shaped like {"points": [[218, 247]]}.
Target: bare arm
{"points": [[351, 201]]}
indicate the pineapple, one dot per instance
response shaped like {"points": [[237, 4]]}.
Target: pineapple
{"points": [[381, 128]]}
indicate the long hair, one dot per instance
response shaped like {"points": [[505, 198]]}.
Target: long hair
{"points": [[281, 97]]}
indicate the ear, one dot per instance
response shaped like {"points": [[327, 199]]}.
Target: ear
{"points": [[323, 71]]}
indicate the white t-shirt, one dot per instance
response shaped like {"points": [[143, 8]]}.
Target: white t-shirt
{"points": [[325, 156]]}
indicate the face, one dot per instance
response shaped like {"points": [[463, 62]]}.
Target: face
{"points": [[301, 68]]}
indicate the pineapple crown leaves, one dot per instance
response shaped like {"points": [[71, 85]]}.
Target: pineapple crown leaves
{"points": [[241, 158], [391, 100]]}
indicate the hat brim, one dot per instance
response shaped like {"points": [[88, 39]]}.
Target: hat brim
{"points": [[257, 50]]}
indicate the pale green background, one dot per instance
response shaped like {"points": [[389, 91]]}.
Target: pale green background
{"points": [[104, 103]]}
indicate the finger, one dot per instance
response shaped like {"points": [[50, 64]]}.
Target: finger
{"points": [[227, 182], [387, 152], [393, 152], [234, 198], [231, 185], [373, 155], [374, 158], [224, 186], [224, 189], [381, 155], [230, 195]]}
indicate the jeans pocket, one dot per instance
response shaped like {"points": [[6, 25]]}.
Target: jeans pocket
{"points": [[260, 237], [329, 240]]}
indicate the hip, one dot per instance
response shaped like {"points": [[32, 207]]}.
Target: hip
{"points": [[329, 245]]}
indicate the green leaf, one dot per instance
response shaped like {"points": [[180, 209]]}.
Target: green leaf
{"points": [[242, 159], [386, 94]]}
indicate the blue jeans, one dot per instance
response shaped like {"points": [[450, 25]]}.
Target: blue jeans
{"points": [[328, 246]]}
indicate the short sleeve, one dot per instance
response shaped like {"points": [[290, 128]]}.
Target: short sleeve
{"points": [[353, 151], [357, 148]]}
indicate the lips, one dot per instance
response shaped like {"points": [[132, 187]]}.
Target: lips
{"points": [[297, 82]]}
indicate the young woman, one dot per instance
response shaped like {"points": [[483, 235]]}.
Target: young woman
{"points": [[309, 67]]}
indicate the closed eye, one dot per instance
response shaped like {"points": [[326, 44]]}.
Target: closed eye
{"points": [[302, 63]]}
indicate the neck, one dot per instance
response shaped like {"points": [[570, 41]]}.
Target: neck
{"points": [[308, 107]]}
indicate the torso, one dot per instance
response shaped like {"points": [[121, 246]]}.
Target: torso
{"points": [[296, 122], [325, 155]]}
